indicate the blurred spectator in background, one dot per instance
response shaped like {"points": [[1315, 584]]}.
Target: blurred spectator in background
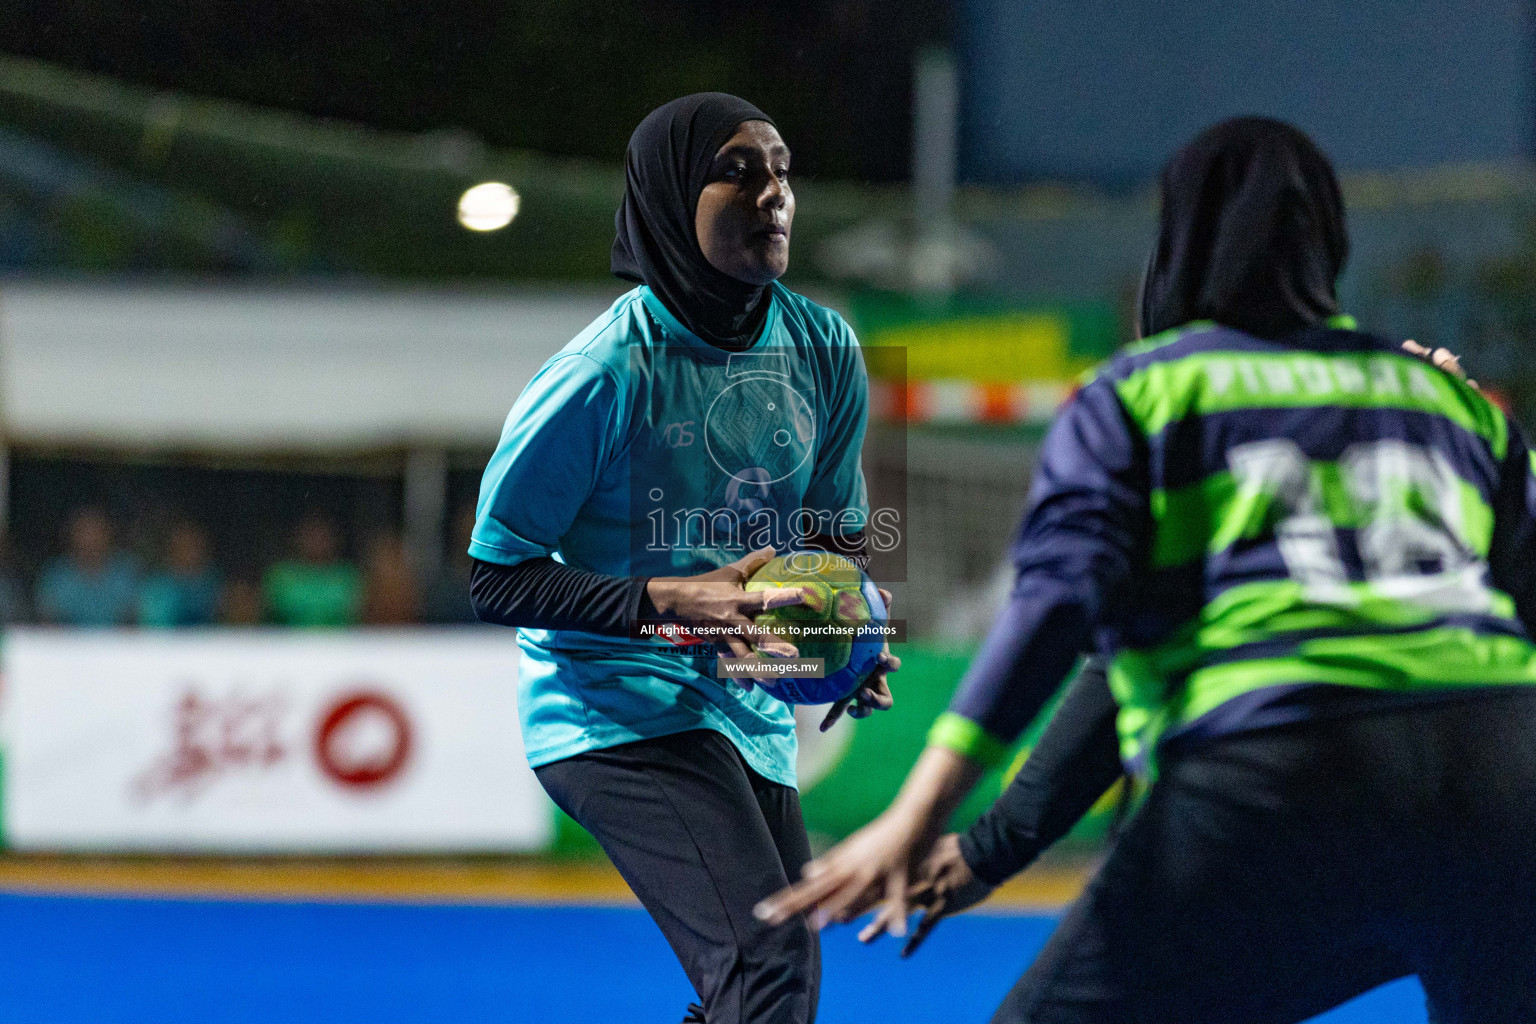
{"points": [[185, 590], [90, 584], [391, 596], [316, 588], [242, 604], [448, 594]]}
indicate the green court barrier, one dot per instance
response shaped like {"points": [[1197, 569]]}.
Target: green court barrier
{"points": [[885, 745], [987, 339], [870, 768]]}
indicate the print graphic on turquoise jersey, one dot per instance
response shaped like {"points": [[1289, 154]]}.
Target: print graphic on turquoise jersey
{"points": [[759, 429], [756, 444]]}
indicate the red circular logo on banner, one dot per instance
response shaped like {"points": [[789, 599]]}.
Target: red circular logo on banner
{"points": [[363, 741]]}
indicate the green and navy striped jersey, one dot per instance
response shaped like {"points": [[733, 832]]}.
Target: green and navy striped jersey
{"points": [[1258, 529]]}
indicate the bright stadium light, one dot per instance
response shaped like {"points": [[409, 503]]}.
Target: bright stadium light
{"points": [[488, 206]]}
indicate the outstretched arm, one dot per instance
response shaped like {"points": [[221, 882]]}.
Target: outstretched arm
{"points": [[541, 593], [1088, 518], [1076, 760]]}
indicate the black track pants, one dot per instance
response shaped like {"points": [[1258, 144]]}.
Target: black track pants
{"points": [[701, 838], [1274, 874]]}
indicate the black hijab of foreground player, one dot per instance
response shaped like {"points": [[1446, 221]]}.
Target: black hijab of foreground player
{"points": [[665, 168], [1251, 234]]}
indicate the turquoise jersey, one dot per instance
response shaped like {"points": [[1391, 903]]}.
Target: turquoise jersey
{"points": [[641, 450]]}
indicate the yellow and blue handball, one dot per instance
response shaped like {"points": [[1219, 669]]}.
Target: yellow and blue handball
{"points": [[841, 622]]}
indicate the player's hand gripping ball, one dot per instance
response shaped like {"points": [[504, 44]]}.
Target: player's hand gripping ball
{"points": [[839, 622]]}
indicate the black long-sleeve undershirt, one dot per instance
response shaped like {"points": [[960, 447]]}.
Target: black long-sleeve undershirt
{"points": [[1075, 761], [541, 593]]}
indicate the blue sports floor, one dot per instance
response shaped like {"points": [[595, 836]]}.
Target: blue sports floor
{"points": [[88, 960]]}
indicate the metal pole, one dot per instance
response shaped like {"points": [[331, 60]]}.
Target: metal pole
{"points": [[935, 120], [5, 489], [935, 134], [425, 506]]}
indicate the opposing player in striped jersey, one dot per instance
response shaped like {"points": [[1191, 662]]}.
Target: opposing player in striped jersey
{"points": [[1312, 558]]}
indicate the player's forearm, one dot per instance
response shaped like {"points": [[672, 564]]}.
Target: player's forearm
{"points": [[936, 785], [541, 593], [1075, 761], [1033, 645]]}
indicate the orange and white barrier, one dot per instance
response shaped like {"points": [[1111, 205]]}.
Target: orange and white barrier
{"points": [[963, 401]]}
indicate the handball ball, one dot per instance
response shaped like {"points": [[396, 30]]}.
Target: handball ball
{"points": [[839, 623]]}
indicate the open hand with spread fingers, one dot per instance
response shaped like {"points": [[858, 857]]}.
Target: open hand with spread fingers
{"points": [[946, 886], [870, 867], [876, 864]]}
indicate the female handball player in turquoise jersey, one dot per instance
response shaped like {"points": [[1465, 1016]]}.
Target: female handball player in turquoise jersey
{"points": [[707, 418]]}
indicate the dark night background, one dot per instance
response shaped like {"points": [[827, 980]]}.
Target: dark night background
{"points": [[566, 78]]}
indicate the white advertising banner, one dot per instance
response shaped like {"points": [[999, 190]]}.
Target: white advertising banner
{"points": [[256, 741]]}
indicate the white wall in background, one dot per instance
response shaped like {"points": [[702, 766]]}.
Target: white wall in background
{"points": [[258, 368]]}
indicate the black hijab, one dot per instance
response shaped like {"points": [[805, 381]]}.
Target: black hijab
{"points": [[668, 158], [1251, 235]]}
